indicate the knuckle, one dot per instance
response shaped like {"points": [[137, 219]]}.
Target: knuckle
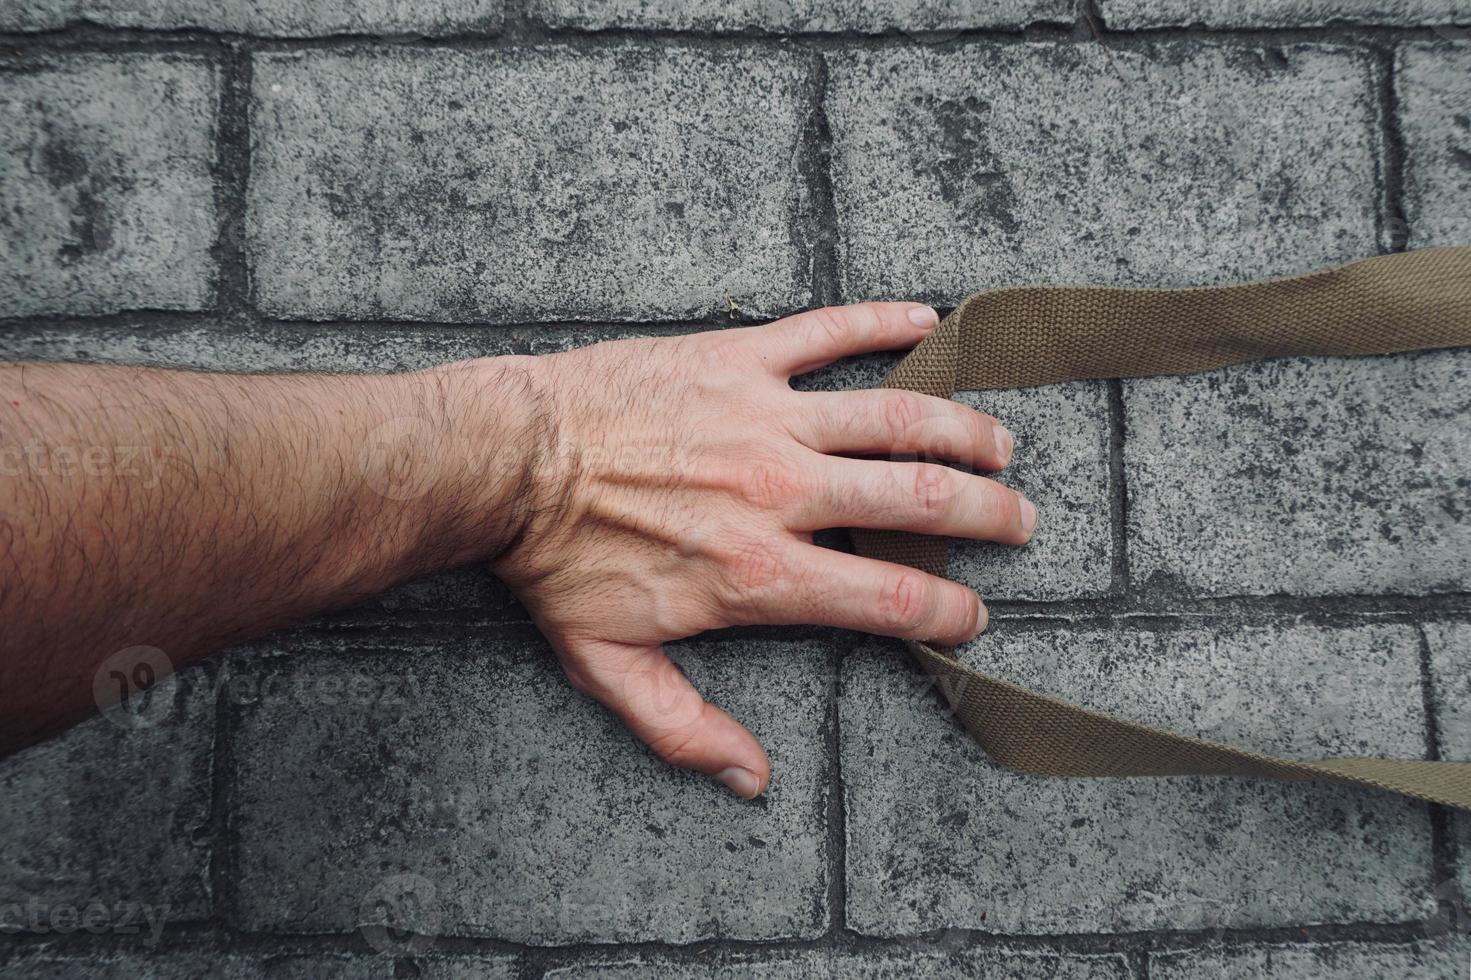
{"points": [[1000, 507], [902, 414], [753, 567], [676, 747], [902, 601], [933, 487], [770, 485], [833, 324]]}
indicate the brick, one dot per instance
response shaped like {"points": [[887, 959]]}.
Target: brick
{"points": [[278, 18], [471, 770], [106, 162], [941, 837], [988, 165], [615, 183], [1433, 98], [867, 16], [114, 818], [1136, 14], [287, 966], [1307, 477], [1060, 463], [830, 964], [1321, 961], [1450, 675]]}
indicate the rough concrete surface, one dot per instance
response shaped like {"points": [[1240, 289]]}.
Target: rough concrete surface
{"points": [[1433, 84], [620, 183], [468, 769], [941, 838], [960, 169], [1306, 477], [832, 965], [1445, 958], [1450, 680], [874, 16], [276, 966], [105, 166], [286, 18], [108, 825], [1134, 14], [1061, 464]]}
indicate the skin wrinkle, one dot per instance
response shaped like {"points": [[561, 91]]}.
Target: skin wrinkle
{"points": [[631, 493]]}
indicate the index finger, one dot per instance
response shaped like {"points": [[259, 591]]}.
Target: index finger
{"points": [[808, 341]]}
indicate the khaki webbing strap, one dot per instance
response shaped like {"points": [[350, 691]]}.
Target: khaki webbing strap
{"points": [[1033, 335]]}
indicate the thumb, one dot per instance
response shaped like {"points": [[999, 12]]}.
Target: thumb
{"points": [[651, 695]]}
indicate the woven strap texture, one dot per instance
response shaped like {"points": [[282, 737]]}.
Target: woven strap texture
{"points": [[1034, 335]]}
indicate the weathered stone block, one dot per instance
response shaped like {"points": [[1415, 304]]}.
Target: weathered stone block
{"points": [[1306, 477], [1136, 14], [830, 964], [1443, 960], [960, 169], [105, 828], [278, 966], [940, 837], [627, 183], [1450, 677], [1061, 464], [106, 164], [870, 16], [269, 17], [469, 776], [1433, 95]]}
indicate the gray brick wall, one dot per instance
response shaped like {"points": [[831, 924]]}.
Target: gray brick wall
{"points": [[1278, 555], [284, 18]]}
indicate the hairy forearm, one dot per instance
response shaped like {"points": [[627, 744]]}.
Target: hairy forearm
{"points": [[184, 511]]}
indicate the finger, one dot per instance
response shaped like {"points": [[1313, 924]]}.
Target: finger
{"points": [[809, 340], [926, 498], [890, 421], [644, 688], [837, 589]]}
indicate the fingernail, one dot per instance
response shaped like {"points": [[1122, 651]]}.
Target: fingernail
{"points": [[1004, 444], [924, 317], [741, 782], [983, 618], [1029, 515]]}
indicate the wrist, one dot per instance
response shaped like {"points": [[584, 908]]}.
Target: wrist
{"points": [[476, 435]]}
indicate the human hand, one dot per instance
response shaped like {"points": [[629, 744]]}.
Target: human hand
{"points": [[686, 481]]}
